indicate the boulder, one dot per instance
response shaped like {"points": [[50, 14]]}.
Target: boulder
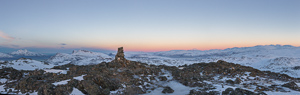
{"points": [[168, 90], [163, 78], [292, 85]]}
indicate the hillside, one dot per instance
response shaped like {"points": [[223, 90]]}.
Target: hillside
{"points": [[123, 76]]}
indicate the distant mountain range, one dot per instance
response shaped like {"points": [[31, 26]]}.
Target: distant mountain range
{"points": [[26, 53], [22, 52], [277, 58], [79, 57], [3, 55], [181, 74]]}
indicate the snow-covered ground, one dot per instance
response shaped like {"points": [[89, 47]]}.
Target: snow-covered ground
{"points": [[26, 64], [276, 58], [80, 57], [3, 55]]}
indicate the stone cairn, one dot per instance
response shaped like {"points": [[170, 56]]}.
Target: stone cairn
{"points": [[120, 57]]}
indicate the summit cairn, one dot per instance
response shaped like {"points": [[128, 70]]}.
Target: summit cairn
{"points": [[120, 57]]}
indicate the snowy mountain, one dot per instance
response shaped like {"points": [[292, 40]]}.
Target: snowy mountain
{"points": [[276, 58], [25, 64], [25, 53], [3, 55], [79, 57]]}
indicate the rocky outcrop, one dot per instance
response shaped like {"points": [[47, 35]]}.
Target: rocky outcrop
{"points": [[238, 91], [292, 85]]}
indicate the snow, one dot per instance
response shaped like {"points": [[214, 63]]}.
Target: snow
{"points": [[3, 80], [27, 64], [26, 53], [2, 90], [298, 84], [80, 78], [178, 88], [282, 93], [61, 82], [275, 58], [76, 92], [221, 89], [79, 57], [3, 55], [56, 71]]}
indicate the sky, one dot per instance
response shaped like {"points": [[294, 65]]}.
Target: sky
{"points": [[148, 25]]}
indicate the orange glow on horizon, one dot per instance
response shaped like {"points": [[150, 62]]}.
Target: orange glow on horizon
{"points": [[156, 49], [168, 48]]}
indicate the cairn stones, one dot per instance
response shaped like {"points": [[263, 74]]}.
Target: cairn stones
{"points": [[120, 57]]}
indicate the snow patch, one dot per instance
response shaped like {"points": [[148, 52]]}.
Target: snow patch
{"points": [[61, 82], [76, 92], [56, 71], [80, 78]]}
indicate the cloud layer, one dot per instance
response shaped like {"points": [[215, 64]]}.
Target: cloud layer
{"points": [[5, 36]]}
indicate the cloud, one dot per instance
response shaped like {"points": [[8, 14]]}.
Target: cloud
{"points": [[5, 36], [63, 44]]}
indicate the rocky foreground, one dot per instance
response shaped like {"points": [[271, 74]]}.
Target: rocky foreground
{"points": [[122, 76]]}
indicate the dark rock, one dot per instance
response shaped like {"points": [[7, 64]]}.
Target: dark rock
{"points": [[261, 88], [168, 90], [228, 91], [162, 78], [194, 92], [292, 85], [213, 93], [47, 89], [133, 91], [296, 68], [90, 87], [230, 82], [237, 81], [238, 91], [106, 82]]}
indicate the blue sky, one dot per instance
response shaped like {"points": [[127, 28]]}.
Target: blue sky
{"points": [[148, 25]]}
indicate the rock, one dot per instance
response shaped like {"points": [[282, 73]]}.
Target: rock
{"points": [[120, 57], [292, 85], [213, 93], [228, 91], [237, 81], [168, 90], [296, 68], [105, 82], [162, 78], [46, 89], [238, 91], [91, 88], [221, 61], [194, 92], [261, 88], [133, 91], [230, 82]]}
